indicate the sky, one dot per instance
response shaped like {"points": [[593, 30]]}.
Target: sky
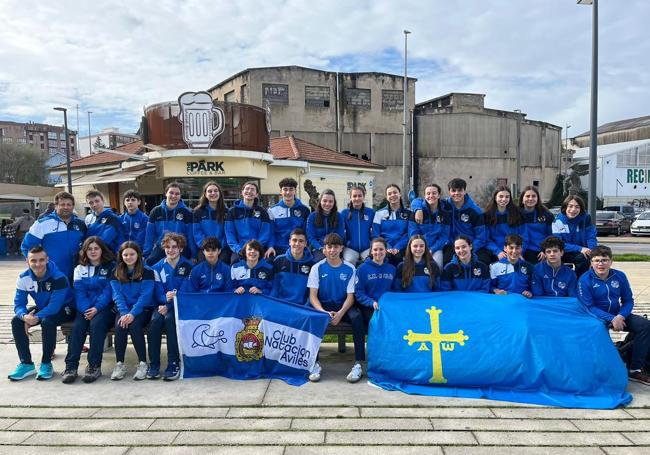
{"points": [[114, 57]]}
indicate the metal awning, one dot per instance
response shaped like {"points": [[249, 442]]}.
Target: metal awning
{"points": [[112, 176]]}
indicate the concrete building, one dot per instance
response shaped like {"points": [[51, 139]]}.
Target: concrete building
{"points": [[48, 138], [633, 129], [110, 137], [457, 136], [356, 113]]}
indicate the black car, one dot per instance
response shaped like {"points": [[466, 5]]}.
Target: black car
{"points": [[611, 223]]}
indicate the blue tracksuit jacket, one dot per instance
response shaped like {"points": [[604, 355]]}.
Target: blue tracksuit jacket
{"points": [[315, 234], [246, 223], [285, 219], [134, 227], [547, 282], [290, 277], [539, 225], [169, 278], [134, 296], [467, 220], [358, 228], [61, 241], [514, 278], [92, 286], [50, 293], [261, 276], [108, 227], [333, 283], [207, 279], [435, 227], [474, 276], [393, 226], [577, 233], [205, 224], [606, 298], [496, 234], [163, 220], [421, 279], [372, 281]]}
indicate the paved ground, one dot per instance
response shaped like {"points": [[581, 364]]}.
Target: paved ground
{"points": [[333, 417]]}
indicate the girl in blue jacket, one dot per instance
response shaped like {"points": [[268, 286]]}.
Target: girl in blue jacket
{"points": [[392, 223], [209, 218], [465, 272], [539, 223], [574, 226], [418, 272], [324, 220], [502, 218], [435, 224], [253, 274], [94, 302], [132, 285], [358, 226], [373, 278]]}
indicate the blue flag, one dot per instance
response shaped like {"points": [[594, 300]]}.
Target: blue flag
{"points": [[247, 337], [548, 351]]}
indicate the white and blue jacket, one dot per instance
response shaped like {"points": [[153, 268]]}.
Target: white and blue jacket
{"points": [[261, 276], [92, 286], [474, 276], [290, 277], [50, 293], [61, 241], [606, 298], [316, 234], [169, 278], [107, 226], [393, 226], [358, 228], [547, 282], [514, 278], [207, 279], [134, 227], [245, 223], [539, 225], [435, 227], [333, 283], [421, 279], [576, 233], [163, 220], [372, 281], [285, 219], [133, 296], [496, 233], [205, 224]]}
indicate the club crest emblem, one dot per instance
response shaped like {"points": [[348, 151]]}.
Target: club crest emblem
{"points": [[297, 213], [181, 270], [179, 216], [218, 276], [262, 275], [365, 218], [615, 284], [136, 225], [464, 217], [202, 338], [103, 272], [48, 286], [249, 341], [404, 216], [256, 213], [524, 270], [426, 270], [75, 227], [343, 276], [103, 220], [541, 219], [477, 271], [304, 269], [561, 284], [438, 219]]}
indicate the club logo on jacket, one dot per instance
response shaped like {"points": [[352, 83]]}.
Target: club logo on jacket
{"points": [[343, 276], [477, 271], [404, 216], [464, 217], [297, 213], [304, 269], [103, 220], [262, 275], [136, 225], [103, 272], [365, 218], [426, 270], [249, 341], [256, 213], [217, 276], [524, 270], [561, 284], [48, 286], [615, 284], [181, 271], [541, 219], [179, 216]]}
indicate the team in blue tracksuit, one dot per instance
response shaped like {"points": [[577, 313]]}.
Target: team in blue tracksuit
{"points": [[373, 281], [497, 233], [285, 219], [435, 227], [260, 276], [577, 233], [467, 220], [108, 227], [134, 227], [245, 223], [208, 278], [421, 281], [358, 228], [513, 278], [290, 277], [473, 276], [548, 282], [62, 241], [205, 224], [92, 289], [539, 225], [163, 220], [393, 226], [54, 305], [316, 234]]}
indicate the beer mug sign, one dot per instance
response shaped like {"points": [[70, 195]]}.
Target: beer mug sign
{"points": [[202, 121]]}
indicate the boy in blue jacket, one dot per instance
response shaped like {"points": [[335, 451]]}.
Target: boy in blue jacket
{"points": [[551, 278], [102, 222], [511, 275], [134, 221], [291, 270], [288, 214], [51, 291], [212, 274], [607, 294]]}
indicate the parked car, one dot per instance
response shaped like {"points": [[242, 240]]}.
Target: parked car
{"points": [[608, 222], [626, 210], [641, 225]]}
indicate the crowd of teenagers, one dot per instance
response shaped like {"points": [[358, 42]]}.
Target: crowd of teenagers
{"points": [[123, 272]]}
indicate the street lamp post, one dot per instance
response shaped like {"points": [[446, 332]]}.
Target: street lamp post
{"points": [[67, 146], [405, 154], [566, 146], [90, 145]]}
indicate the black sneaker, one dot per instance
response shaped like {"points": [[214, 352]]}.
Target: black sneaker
{"points": [[92, 374], [69, 376], [639, 376]]}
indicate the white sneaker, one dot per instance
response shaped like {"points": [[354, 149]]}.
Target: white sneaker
{"points": [[141, 372], [314, 376], [355, 373], [118, 372]]}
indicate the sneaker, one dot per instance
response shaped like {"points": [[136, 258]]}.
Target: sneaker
{"points": [[355, 373], [172, 372], [314, 376], [22, 371], [118, 372], [639, 376], [141, 372], [45, 371], [153, 372], [69, 376], [92, 374]]}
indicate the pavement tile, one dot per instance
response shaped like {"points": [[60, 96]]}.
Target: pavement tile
{"points": [[639, 438], [220, 424], [294, 412], [550, 438], [400, 437], [355, 450], [206, 450], [503, 424], [82, 425], [61, 450], [49, 412], [108, 438], [250, 437], [501, 450], [6, 423], [361, 424], [11, 437], [613, 425], [639, 413], [557, 413], [174, 412], [627, 450], [426, 412]]}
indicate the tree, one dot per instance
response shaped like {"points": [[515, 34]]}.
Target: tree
{"points": [[23, 164], [99, 144]]}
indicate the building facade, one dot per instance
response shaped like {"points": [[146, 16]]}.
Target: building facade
{"points": [[110, 138], [47, 138], [633, 129]]}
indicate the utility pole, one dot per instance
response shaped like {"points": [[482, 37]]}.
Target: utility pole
{"points": [[405, 153]]}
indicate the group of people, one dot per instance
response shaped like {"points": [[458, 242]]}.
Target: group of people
{"points": [[124, 271]]}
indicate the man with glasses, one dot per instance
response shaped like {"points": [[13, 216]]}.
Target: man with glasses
{"points": [[607, 294]]}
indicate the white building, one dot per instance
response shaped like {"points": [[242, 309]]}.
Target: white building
{"points": [[109, 137]]}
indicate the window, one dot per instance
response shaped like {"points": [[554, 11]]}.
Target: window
{"points": [[52, 135], [275, 93], [316, 96], [52, 143], [502, 182], [644, 155], [358, 98], [626, 158], [392, 100], [230, 97]]}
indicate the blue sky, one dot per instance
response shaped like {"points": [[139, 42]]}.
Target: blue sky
{"points": [[114, 57]]}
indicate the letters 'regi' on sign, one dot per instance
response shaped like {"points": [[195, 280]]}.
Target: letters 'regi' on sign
{"points": [[202, 121]]}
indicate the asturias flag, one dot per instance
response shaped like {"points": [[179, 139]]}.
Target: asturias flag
{"points": [[247, 337], [548, 351]]}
